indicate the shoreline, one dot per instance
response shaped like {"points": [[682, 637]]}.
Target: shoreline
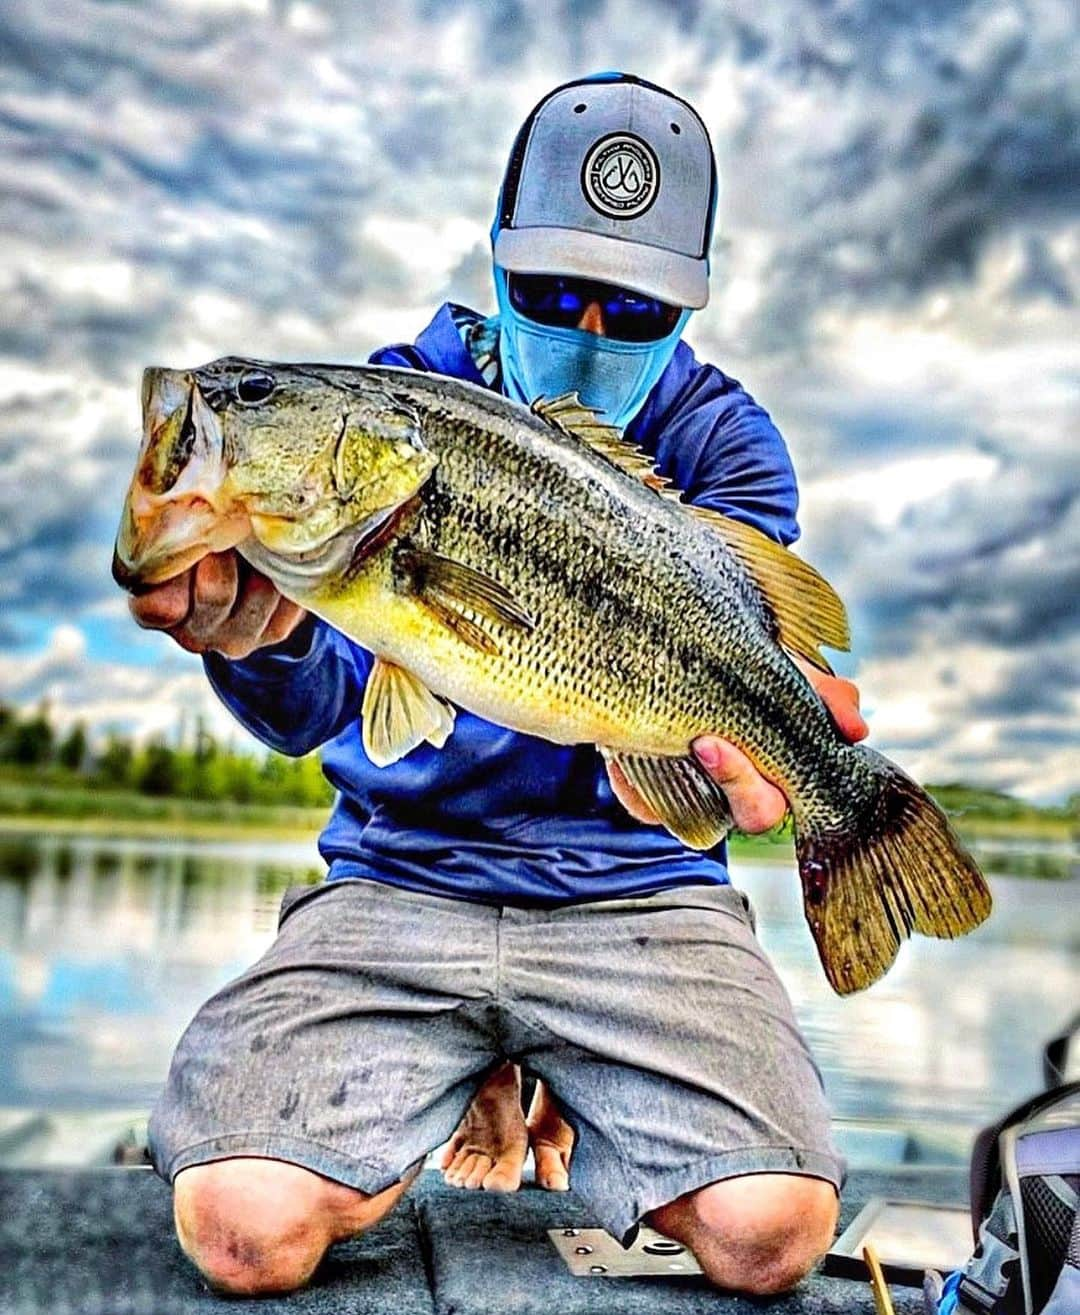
{"points": [[156, 828], [169, 824]]}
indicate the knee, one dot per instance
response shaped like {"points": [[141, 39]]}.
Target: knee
{"points": [[760, 1234], [255, 1227]]}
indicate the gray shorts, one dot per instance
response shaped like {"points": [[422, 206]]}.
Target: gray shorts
{"points": [[354, 1045]]}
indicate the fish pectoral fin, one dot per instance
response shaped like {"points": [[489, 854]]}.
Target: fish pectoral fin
{"points": [[459, 596], [681, 794], [399, 712], [806, 608]]}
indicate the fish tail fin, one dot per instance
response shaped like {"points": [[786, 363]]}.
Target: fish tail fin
{"points": [[895, 868]]}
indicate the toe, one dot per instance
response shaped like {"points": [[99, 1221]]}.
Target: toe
{"points": [[505, 1176], [551, 1167], [450, 1152], [453, 1171], [474, 1170], [460, 1168]]}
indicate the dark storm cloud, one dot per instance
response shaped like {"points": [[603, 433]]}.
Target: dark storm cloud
{"points": [[997, 563], [1039, 685], [59, 501], [883, 426], [919, 144], [1040, 276], [219, 188], [508, 33], [1042, 734], [62, 567], [470, 279]]}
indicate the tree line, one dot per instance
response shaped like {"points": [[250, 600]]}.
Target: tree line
{"points": [[198, 766]]}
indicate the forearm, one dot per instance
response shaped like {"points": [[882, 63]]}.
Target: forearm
{"points": [[296, 695]]}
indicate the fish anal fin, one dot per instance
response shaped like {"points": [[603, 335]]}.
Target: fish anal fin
{"points": [[459, 596], [807, 610], [901, 871], [681, 794], [399, 712]]}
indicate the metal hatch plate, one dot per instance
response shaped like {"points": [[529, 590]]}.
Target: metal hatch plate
{"points": [[592, 1253]]}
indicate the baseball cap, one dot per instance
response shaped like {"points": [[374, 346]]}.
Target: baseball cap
{"points": [[611, 178]]}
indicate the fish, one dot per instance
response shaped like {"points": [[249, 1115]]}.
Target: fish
{"points": [[531, 566]]}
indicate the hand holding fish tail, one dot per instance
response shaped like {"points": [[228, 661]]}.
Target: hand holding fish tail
{"points": [[756, 804], [841, 699], [220, 605]]}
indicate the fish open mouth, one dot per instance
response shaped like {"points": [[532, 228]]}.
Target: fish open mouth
{"points": [[177, 508], [184, 503], [164, 543]]}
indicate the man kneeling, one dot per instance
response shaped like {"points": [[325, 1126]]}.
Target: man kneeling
{"points": [[494, 903]]}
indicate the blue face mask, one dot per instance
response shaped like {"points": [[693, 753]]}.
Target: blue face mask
{"points": [[613, 377]]}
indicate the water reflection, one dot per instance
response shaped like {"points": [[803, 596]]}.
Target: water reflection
{"points": [[108, 947]]}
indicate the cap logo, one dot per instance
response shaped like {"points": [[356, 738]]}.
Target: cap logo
{"points": [[620, 176]]}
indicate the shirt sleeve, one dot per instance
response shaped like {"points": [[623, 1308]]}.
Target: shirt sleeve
{"points": [[296, 695], [746, 471], [724, 452], [398, 353]]}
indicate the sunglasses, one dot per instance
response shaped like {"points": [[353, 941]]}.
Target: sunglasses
{"points": [[561, 302]]}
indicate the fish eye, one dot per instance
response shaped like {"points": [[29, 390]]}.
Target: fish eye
{"points": [[254, 386]]}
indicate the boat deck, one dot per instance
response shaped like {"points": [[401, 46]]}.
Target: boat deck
{"points": [[100, 1242]]}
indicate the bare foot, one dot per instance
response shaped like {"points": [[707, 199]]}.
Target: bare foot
{"points": [[489, 1147], [552, 1141], [488, 1150]]}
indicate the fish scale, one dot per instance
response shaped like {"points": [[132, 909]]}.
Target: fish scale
{"points": [[664, 706], [529, 567]]}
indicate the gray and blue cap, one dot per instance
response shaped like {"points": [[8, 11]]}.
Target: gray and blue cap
{"points": [[612, 178]]}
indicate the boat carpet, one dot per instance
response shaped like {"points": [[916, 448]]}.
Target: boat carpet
{"points": [[100, 1242]]}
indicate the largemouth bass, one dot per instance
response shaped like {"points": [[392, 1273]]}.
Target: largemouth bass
{"points": [[531, 567]]}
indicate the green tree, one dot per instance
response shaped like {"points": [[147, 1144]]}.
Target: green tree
{"points": [[115, 762], [32, 741], [205, 774], [156, 772], [72, 751], [7, 724]]}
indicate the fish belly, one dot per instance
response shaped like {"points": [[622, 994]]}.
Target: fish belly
{"points": [[538, 682]]}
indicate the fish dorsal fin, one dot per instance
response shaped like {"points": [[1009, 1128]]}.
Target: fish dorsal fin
{"points": [[399, 712], [807, 611], [681, 794], [570, 414], [806, 607]]}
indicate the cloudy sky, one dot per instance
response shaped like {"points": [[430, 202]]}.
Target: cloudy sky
{"points": [[896, 279]]}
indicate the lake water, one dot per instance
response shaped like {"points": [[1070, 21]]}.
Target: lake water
{"points": [[107, 947]]}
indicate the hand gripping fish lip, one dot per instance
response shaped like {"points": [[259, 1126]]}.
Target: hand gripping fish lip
{"points": [[177, 508]]}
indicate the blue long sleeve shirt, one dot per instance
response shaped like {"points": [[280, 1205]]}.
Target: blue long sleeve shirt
{"points": [[495, 815]]}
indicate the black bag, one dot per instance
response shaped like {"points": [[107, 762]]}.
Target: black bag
{"points": [[1025, 1184]]}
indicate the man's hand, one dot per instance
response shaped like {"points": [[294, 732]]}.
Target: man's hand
{"points": [[756, 804], [219, 604]]}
